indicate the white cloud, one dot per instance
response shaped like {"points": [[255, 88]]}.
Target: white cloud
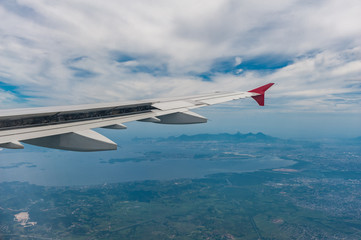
{"points": [[7, 98], [353, 67], [175, 39], [237, 61]]}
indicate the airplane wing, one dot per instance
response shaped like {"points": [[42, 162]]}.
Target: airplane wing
{"points": [[69, 127]]}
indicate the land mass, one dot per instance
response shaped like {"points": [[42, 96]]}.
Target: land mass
{"points": [[318, 197]]}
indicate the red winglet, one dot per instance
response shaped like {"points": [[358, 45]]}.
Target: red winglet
{"points": [[261, 90]]}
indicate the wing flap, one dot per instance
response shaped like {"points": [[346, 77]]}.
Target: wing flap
{"points": [[49, 130]]}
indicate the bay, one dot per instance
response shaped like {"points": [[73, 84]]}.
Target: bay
{"points": [[133, 161]]}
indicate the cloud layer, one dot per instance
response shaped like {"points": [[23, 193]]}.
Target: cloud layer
{"points": [[66, 52]]}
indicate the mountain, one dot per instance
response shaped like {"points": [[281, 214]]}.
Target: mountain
{"points": [[237, 137], [232, 138]]}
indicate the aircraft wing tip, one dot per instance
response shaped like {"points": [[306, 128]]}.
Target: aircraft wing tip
{"points": [[261, 91]]}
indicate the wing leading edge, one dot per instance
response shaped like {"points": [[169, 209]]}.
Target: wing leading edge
{"points": [[69, 127]]}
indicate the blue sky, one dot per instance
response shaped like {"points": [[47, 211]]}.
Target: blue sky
{"points": [[75, 52]]}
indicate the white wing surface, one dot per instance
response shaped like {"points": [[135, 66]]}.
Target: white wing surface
{"points": [[69, 127]]}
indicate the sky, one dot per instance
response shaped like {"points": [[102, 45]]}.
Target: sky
{"points": [[86, 51]]}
